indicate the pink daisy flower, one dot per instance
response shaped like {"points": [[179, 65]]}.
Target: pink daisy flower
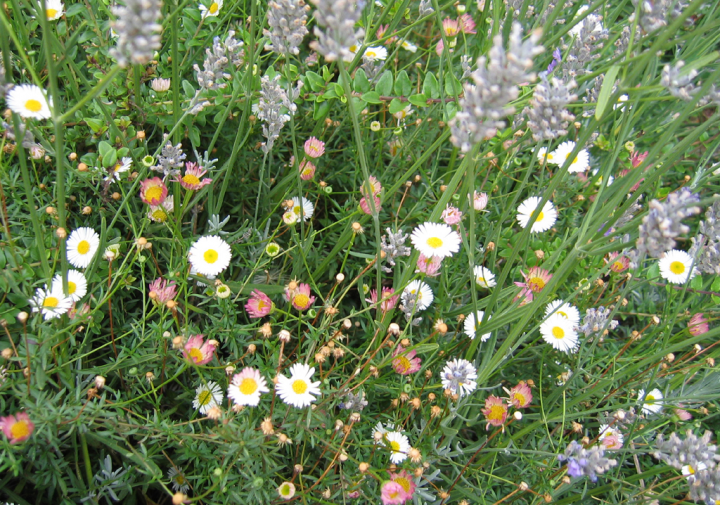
{"points": [[17, 428], [698, 325], [198, 351], [406, 481], [451, 215], [535, 281], [388, 300], [153, 191], [314, 148], [466, 23], [392, 493], [365, 206], [495, 411], [480, 200], [307, 170], [405, 363], [520, 395], [300, 297], [162, 291], [191, 179], [429, 266], [259, 305], [618, 263], [451, 27]]}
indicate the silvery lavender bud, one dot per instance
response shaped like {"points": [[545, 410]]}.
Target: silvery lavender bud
{"points": [[485, 102], [354, 402], [393, 245], [28, 137], [338, 18], [409, 308], [706, 246], [548, 116], [138, 29], [705, 485], [217, 60], [425, 8], [692, 451], [622, 43], [664, 222], [372, 67], [586, 46], [592, 95], [626, 217], [586, 462], [272, 98], [596, 321], [171, 159], [679, 84], [466, 66], [287, 19], [654, 14]]}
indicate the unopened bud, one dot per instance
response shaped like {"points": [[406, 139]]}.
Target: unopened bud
{"points": [[22, 317]]}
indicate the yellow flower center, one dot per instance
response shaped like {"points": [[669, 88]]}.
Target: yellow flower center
{"points": [[301, 300], [650, 399], [496, 413], [179, 479], [618, 265], [214, 8], [371, 54], [434, 242], [196, 355], [20, 429], [72, 287], [403, 482], [558, 332], [403, 363], [691, 470], [33, 105], [395, 445], [549, 156], [520, 398], [677, 267], [536, 284], [297, 210], [51, 13], [299, 386], [575, 160], [481, 280], [50, 302], [154, 193], [248, 386], [563, 314], [307, 171], [83, 247], [204, 397], [211, 256], [159, 215], [190, 178], [540, 216]]}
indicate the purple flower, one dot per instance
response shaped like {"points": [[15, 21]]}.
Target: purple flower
{"points": [[557, 58]]}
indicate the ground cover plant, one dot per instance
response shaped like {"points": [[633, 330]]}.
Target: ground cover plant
{"points": [[359, 252]]}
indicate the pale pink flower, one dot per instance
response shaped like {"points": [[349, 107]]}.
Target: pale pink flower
{"points": [[636, 158], [698, 325], [480, 200], [365, 206], [191, 179], [451, 27], [153, 191], [451, 215], [392, 493], [81, 312], [259, 304], [520, 395], [388, 300], [381, 33], [535, 281], [371, 186], [683, 414], [467, 25], [429, 266], [307, 170], [439, 47], [495, 411], [612, 442], [618, 263], [300, 297], [198, 351], [406, 481], [314, 148], [163, 290], [405, 363], [17, 428]]}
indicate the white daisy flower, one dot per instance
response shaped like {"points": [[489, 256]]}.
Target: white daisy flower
{"points": [[676, 267], [122, 166], [303, 208], [82, 245], [484, 277], [399, 446], [178, 480], [652, 403], [210, 255], [435, 239], [423, 295], [471, 324], [689, 471], [403, 113], [29, 101], [77, 285], [559, 332], [54, 9], [408, 46], [298, 390], [580, 163], [620, 102], [543, 156], [354, 48], [246, 387], [599, 182], [566, 310], [52, 303], [375, 53], [212, 10], [459, 377], [207, 396], [546, 218], [606, 431]]}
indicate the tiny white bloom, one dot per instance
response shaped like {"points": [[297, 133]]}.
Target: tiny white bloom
{"points": [[652, 401], [598, 27], [403, 113], [54, 9], [559, 332], [607, 431], [246, 387], [298, 390], [122, 166], [207, 396], [212, 10], [408, 46], [375, 53], [471, 324], [51, 302], [676, 267], [399, 446], [435, 239], [422, 292], [599, 182], [179, 482], [689, 471], [566, 310], [620, 102], [77, 285], [82, 245], [29, 101], [484, 277], [544, 156], [210, 255], [459, 377], [303, 208], [545, 219], [581, 161]]}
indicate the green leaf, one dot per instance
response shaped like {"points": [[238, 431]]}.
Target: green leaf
{"points": [[716, 288], [321, 110], [95, 125], [403, 86], [75, 9], [418, 100], [385, 84], [326, 73], [339, 91], [361, 84], [452, 86], [396, 106], [316, 82], [423, 348], [372, 97], [194, 134], [431, 87], [188, 89], [110, 159], [697, 282], [104, 148], [606, 91]]}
